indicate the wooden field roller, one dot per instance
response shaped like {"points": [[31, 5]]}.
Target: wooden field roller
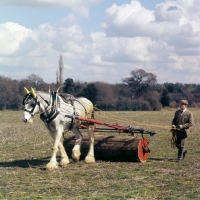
{"points": [[112, 148]]}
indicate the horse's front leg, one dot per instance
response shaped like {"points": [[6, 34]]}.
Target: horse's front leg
{"points": [[64, 158], [76, 153], [90, 156], [53, 164]]}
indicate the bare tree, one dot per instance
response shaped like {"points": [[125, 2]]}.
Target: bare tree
{"points": [[9, 94], [140, 81], [57, 77], [61, 68], [107, 97], [35, 81]]}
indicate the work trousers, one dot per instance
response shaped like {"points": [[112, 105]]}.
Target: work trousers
{"points": [[180, 144]]}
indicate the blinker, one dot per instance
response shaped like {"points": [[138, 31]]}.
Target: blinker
{"points": [[26, 91], [32, 92]]}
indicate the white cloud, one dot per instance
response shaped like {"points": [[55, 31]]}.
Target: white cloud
{"points": [[130, 20], [165, 42], [170, 34], [11, 36]]}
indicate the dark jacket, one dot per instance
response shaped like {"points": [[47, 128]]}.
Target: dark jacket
{"points": [[187, 120]]}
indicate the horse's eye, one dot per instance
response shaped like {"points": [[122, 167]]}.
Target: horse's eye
{"points": [[27, 100]]}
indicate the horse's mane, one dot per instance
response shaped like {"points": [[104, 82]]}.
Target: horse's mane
{"points": [[44, 95]]}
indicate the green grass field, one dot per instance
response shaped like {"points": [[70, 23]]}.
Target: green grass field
{"points": [[26, 148]]}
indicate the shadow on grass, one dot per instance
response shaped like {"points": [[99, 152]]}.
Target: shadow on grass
{"points": [[25, 163], [43, 161], [156, 159], [163, 159]]}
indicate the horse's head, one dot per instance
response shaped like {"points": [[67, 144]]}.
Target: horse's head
{"points": [[30, 105]]}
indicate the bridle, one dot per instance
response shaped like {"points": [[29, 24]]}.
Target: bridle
{"points": [[53, 114], [34, 105]]}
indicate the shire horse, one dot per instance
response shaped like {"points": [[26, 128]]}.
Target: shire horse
{"points": [[58, 114]]}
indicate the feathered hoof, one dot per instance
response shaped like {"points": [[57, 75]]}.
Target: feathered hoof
{"points": [[52, 165], [76, 155], [89, 159], [64, 162]]}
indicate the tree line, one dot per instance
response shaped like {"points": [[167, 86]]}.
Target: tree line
{"points": [[139, 91]]}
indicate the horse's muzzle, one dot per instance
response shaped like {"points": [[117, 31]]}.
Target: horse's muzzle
{"points": [[25, 120]]}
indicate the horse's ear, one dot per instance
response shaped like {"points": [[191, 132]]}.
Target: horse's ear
{"points": [[26, 91], [33, 92]]}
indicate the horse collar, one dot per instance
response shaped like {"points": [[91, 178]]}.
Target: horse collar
{"points": [[54, 112]]}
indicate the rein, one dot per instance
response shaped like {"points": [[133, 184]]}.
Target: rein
{"points": [[174, 138]]}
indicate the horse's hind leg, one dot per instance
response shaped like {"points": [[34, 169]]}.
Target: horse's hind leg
{"points": [[90, 156], [76, 153]]}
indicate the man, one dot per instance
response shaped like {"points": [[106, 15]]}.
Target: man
{"points": [[183, 120]]}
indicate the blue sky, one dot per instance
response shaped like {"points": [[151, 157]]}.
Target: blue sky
{"points": [[32, 17], [100, 40]]}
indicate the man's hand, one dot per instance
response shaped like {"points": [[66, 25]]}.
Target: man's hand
{"points": [[173, 127]]}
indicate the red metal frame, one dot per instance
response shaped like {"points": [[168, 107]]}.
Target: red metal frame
{"points": [[113, 127], [94, 121]]}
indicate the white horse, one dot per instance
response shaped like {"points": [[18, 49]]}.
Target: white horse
{"points": [[58, 115]]}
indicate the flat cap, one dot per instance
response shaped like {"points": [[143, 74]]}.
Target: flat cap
{"points": [[184, 102]]}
